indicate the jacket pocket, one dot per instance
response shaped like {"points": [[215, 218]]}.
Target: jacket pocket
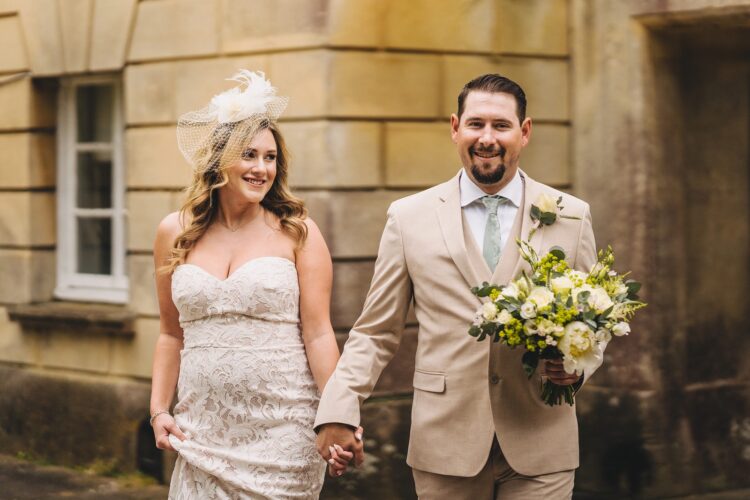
{"points": [[429, 381]]}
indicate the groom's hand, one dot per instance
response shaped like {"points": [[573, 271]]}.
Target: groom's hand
{"points": [[556, 373], [342, 435]]}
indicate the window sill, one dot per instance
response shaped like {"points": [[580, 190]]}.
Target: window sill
{"points": [[88, 319]]}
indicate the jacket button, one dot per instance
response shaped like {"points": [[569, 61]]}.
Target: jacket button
{"points": [[494, 379]]}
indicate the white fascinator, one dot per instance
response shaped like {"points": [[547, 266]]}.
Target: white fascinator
{"points": [[218, 133]]}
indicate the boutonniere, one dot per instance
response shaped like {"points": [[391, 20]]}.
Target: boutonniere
{"points": [[545, 211]]}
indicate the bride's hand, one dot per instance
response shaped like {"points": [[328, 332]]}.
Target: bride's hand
{"points": [[340, 458], [164, 425]]}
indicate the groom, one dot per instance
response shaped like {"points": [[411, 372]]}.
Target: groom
{"points": [[479, 429]]}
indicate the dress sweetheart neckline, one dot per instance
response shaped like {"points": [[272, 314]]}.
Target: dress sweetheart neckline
{"points": [[265, 257]]}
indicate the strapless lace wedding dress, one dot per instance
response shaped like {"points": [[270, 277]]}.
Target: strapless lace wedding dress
{"points": [[246, 397]]}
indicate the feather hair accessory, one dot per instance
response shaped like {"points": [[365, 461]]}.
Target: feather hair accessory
{"points": [[238, 104], [218, 133]]}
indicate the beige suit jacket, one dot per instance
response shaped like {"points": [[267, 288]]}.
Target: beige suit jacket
{"points": [[464, 391]]}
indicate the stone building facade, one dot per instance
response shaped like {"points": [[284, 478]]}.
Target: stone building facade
{"points": [[371, 85]]}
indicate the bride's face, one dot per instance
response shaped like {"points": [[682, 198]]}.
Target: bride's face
{"points": [[252, 176]]}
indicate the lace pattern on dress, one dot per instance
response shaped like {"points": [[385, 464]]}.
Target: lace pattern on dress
{"points": [[246, 397]]}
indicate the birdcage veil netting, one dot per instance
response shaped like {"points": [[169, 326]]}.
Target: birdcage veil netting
{"points": [[218, 134]]}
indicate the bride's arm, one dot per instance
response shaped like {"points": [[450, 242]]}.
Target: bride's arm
{"points": [[166, 365], [315, 272]]}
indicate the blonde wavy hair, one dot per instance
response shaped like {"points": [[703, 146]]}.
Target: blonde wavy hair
{"points": [[201, 204]]}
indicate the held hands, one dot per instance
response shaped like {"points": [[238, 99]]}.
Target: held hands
{"points": [[338, 444], [164, 425], [553, 369]]}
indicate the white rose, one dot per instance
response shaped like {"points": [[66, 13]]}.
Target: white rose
{"points": [[510, 291], [581, 351], [528, 310], [489, 311], [504, 317], [621, 329], [600, 300], [541, 296], [561, 284], [546, 203]]}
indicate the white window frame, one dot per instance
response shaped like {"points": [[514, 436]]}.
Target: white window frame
{"points": [[72, 285]]}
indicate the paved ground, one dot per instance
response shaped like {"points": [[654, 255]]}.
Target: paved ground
{"points": [[22, 480]]}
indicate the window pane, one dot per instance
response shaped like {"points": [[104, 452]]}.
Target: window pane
{"points": [[94, 246], [94, 113], [94, 175]]}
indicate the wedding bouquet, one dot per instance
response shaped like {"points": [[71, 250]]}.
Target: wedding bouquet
{"points": [[558, 313]]}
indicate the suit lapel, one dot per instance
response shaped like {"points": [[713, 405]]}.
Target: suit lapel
{"points": [[531, 192], [451, 226]]}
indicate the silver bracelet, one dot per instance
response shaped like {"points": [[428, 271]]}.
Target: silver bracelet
{"points": [[156, 414]]}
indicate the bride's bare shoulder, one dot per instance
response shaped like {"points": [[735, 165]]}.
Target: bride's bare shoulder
{"points": [[170, 227]]}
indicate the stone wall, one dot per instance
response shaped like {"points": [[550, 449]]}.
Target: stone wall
{"points": [[372, 84], [661, 152]]}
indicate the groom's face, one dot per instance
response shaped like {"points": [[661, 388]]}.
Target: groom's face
{"points": [[490, 138]]}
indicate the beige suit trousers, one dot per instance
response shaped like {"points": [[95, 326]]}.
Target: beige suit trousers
{"points": [[496, 481]]}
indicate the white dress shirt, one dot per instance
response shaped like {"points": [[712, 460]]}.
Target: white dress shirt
{"points": [[475, 212]]}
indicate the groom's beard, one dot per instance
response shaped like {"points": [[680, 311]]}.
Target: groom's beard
{"points": [[493, 176]]}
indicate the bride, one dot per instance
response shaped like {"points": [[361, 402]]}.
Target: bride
{"points": [[239, 270]]}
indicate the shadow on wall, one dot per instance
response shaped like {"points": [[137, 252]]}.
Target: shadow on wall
{"points": [[614, 459]]}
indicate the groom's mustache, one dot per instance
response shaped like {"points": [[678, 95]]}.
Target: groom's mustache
{"points": [[488, 151]]}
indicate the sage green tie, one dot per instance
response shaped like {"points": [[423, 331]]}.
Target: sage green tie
{"points": [[492, 245]]}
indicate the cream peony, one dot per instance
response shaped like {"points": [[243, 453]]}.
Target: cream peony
{"points": [[541, 296], [581, 351]]}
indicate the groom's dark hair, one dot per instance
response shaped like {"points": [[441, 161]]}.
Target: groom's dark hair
{"points": [[494, 83]]}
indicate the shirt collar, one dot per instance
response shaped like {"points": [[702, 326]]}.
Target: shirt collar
{"points": [[470, 192]]}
